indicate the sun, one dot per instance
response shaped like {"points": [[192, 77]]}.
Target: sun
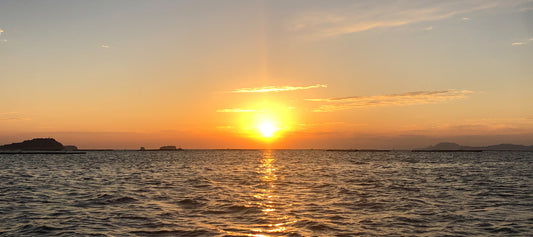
{"points": [[267, 129], [267, 122]]}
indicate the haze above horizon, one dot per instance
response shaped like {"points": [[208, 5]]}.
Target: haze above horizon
{"points": [[267, 74]]}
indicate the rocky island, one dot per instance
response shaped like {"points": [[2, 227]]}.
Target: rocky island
{"points": [[38, 146]]}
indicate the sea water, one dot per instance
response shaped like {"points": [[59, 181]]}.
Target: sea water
{"points": [[267, 193]]}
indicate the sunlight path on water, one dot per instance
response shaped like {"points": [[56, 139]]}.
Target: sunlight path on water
{"points": [[274, 220]]}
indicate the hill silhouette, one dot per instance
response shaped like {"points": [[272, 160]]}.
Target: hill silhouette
{"points": [[448, 146], [36, 144]]}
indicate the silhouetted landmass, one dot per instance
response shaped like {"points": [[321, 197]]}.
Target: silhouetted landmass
{"points": [[358, 150], [70, 148], [42, 152], [343, 150], [37, 144], [163, 148], [169, 148], [510, 147], [449, 146], [96, 150]]}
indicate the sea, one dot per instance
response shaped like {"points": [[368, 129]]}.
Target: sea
{"points": [[267, 193]]}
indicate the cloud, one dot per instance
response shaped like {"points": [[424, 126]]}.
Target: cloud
{"points": [[368, 15], [465, 19], [11, 116], [275, 89], [409, 98], [428, 28], [477, 126], [238, 110], [522, 42], [3, 40], [105, 46]]}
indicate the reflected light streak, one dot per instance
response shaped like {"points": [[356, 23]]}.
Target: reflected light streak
{"points": [[268, 201]]}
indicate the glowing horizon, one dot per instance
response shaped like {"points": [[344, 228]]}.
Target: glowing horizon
{"points": [[276, 74]]}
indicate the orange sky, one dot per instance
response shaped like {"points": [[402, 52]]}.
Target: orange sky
{"points": [[209, 74]]}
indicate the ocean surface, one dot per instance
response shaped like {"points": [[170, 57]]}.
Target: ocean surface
{"points": [[267, 193]]}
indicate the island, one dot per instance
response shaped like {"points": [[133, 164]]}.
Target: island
{"points": [[169, 148], [163, 148], [454, 147], [39, 146]]}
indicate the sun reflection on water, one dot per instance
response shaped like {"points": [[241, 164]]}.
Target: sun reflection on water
{"points": [[266, 196], [268, 200]]}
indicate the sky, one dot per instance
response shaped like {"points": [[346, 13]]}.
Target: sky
{"points": [[388, 74]]}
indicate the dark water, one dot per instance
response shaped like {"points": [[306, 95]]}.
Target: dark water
{"points": [[267, 193]]}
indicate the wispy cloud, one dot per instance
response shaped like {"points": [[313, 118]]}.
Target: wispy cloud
{"points": [[428, 28], [465, 19], [368, 15], [238, 110], [275, 89], [475, 126], [409, 98], [3, 40], [522, 42], [105, 46], [11, 116]]}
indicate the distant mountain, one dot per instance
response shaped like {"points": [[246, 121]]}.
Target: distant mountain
{"points": [[37, 144], [447, 146], [509, 147]]}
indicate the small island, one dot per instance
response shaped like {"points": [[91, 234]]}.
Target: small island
{"points": [[169, 148], [454, 147], [39, 146], [163, 148]]}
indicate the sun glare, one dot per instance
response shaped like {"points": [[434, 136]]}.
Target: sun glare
{"points": [[267, 129], [265, 122]]}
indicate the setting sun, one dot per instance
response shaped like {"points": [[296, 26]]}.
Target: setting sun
{"points": [[266, 118], [267, 129]]}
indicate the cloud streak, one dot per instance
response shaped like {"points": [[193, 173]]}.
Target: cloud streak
{"points": [[409, 98], [238, 110], [522, 42], [276, 89], [11, 116], [368, 15]]}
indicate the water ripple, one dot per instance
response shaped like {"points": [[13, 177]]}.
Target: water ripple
{"points": [[267, 193]]}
